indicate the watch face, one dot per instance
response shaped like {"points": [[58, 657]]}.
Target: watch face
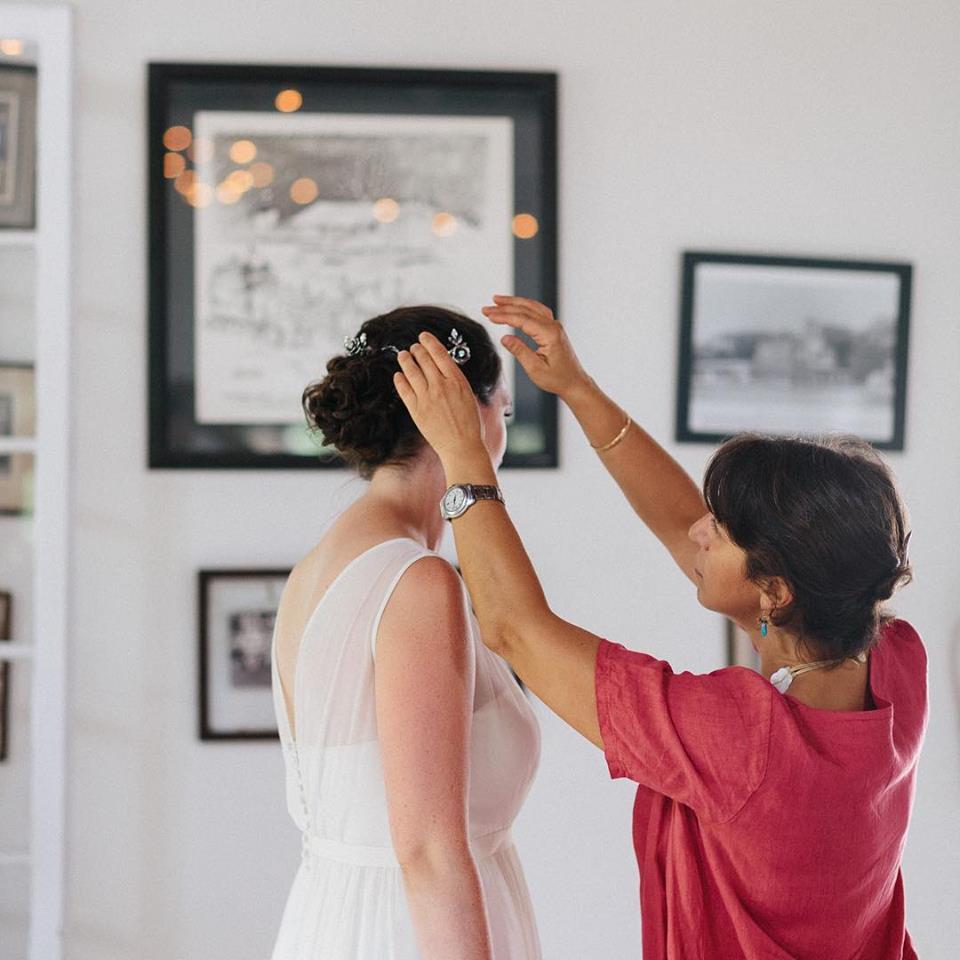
{"points": [[454, 500]]}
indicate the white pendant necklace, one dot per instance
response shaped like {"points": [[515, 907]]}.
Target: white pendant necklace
{"points": [[782, 678]]}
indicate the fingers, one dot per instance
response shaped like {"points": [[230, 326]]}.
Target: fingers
{"points": [[405, 391], [532, 324], [526, 357], [535, 306], [413, 372], [443, 363]]}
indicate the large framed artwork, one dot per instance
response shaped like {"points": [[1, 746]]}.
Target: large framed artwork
{"points": [[18, 145], [237, 611], [289, 204], [793, 347], [17, 421]]}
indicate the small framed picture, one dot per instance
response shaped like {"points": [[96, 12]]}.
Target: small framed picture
{"points": [[290, 204], [740, 651], [238, 609], [17, 420], [792, 347], [18, 145], [6, 614]]}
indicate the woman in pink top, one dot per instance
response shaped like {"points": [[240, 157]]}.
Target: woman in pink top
{"points": [[772, 808]]}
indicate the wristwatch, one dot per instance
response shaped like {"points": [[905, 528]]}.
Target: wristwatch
{"points": [[462, 496]]}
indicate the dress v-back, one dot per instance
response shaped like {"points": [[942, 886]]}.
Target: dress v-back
{"points": [[347, 901]]}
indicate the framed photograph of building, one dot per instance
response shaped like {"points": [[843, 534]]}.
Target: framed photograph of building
{"points": [[237, 611], [17, 421], [18, 146], [290, 204], [792, 347], [6, 612]]}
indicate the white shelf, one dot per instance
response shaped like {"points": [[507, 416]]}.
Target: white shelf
{"points": [[10, 650], [17, 445], [18, 238]]}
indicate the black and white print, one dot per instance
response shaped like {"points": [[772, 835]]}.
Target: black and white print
{"points": [[237, 610], [321, 221], [793, 349]]}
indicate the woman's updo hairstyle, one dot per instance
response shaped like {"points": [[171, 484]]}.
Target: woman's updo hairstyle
{"points": [[823, 515], [356, 408]]}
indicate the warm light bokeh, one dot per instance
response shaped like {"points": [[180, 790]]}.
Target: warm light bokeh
{"points": [[289, 101], [444, 224], [525, 226], [11, 47], [303, 191], [173, 165], [240, 180], [200, 195], [185, 182], [226, 193], [177, 138], [262, 174], [386, 210], [243, 151]]}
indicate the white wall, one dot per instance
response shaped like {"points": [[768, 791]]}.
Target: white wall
{"points": [[817, 128]]}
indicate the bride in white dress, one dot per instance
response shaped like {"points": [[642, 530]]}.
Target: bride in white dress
{"points": [[409, 747]]}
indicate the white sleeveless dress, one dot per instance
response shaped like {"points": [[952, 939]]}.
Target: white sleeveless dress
{"points": [[347, 901]]}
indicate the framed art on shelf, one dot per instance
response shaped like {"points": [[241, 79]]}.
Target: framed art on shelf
{"points": [[6, 612], [17, 421], [289, 204], [792, 347], [237, 610], [18, 146]]}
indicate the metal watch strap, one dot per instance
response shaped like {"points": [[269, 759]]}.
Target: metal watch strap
{"points": [[480, 492]]}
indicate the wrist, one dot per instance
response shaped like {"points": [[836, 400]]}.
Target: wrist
{"points": [[580, 393], [468, 465]]}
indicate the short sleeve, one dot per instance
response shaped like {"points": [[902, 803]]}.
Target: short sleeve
{"points": [[701, 739]]}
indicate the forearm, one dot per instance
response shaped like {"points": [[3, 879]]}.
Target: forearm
{"points": [[660, 491], [447, 906], [503, 585]]}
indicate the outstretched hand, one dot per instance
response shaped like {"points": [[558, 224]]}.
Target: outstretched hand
{"points": [[439, 399], [553, 366]]}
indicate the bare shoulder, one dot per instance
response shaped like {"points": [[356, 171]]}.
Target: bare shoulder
{"points": [[427, 600]]}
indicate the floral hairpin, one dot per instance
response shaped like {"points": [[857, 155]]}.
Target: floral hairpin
{"points": [[458, 348], [357, 345]]}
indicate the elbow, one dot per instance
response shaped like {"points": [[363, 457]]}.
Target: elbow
{"points": [[505, 637], [423, 861]]}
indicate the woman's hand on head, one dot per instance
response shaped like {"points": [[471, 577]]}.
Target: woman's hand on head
{"points": [[553, 366], [439, 399]]}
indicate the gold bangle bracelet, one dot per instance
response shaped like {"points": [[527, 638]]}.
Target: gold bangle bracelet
{"points": [[616, 439]]}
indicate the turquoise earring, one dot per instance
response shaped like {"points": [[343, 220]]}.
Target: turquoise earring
{"points": [[763, 626]]}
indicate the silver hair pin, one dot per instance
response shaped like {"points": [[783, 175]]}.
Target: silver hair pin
{"points": [[356, 345], [459, 351]]}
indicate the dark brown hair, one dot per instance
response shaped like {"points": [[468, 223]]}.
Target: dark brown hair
{"points": [[355, 407], [823, 515]]}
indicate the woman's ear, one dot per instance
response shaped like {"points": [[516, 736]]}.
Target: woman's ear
{"points": [[775, 594]]}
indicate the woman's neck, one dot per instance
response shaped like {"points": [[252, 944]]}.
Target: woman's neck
{"points": [[406, 498]]}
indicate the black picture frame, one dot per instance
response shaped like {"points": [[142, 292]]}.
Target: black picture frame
{"points": [[6, 620], [195, 96], [18, 146], [745, 365], [17, 420], [217, 654]]}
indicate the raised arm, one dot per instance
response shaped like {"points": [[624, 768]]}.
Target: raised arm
{"points": [[554, 658], [424, 692], [656, 486]]}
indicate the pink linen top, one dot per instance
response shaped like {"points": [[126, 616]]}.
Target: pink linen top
{"points": [[764, 828]]}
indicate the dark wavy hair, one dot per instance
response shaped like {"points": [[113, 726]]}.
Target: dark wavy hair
{"points": [[825, 516], [355, 407]]}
